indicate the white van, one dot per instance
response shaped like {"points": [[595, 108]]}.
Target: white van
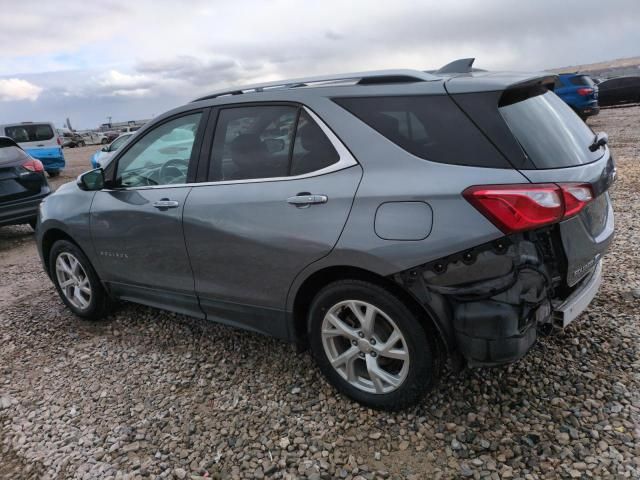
{"points": [[40, 140]]}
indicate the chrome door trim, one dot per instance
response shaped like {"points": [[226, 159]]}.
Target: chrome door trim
{"points": [[346, 160]]}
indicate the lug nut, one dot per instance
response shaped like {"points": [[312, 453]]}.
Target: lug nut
{"points": [[374, 354], [372, 341], [354, 343], [361, 354], [361, 335]]}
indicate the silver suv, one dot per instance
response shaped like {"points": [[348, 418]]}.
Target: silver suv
{"points": [[389, 220]]}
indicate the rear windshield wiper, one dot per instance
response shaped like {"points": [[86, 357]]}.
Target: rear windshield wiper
{"points": [[600, 140]]}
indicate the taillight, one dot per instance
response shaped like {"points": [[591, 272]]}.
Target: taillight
{"points": [[584, 91], [59, 141], [516, 208], [576, 197], [33, 165]]}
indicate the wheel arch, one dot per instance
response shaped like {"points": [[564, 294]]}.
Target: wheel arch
{"points": [[51, 236], [322, 277]]}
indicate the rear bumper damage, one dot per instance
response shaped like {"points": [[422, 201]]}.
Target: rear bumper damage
{"points": [[495, 298]]}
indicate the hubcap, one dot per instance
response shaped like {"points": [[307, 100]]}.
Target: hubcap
{"points": [[73, 280], [365, 346]]}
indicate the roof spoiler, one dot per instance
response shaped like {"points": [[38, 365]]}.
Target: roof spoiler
{"points": [[462, 65], [8, 142]]}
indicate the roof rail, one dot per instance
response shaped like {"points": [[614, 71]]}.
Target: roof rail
{"points": [[360, 78], [462, 65]]}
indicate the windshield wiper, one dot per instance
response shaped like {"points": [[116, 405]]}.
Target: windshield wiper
{"points": [[600, 140]]}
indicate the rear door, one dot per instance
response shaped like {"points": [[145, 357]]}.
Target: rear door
{"points": [[280, 190], [136, 226]]}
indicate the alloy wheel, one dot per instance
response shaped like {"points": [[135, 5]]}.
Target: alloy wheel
{"points": [[365, 346], [73, 280]]}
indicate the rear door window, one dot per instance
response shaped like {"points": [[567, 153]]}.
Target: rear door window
{"points": [[30, 133], [268, 141], [431, 127], [550, 133]]}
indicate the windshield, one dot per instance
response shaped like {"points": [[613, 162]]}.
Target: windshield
{"points": [[550, 133]]}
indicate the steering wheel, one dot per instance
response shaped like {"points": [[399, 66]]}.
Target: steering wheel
{"points": [[172, 170]]}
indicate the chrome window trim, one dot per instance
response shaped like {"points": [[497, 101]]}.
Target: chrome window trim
{"points": [[345, 160]]}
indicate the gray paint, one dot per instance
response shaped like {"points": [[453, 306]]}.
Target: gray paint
{"points": [[403, 220], [239, 252]]}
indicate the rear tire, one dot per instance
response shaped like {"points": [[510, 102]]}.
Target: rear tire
{"points": [[371, 346], [53, 174], [104, 141], [77, 282]]}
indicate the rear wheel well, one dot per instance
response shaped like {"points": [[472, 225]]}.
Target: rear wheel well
{"points": [[312, 285], [48, 239]]}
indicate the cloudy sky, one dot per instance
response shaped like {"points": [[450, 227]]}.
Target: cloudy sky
{"points": [[132, 59]]}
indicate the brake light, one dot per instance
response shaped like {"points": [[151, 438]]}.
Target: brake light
{"points": [[585, 91], [33, 165], [516, 208], [59, 141]]}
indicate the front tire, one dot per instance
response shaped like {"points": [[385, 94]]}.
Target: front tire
{"points": [[371, 346], [77, 282]]}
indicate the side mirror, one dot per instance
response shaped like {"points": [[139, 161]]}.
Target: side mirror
{"points": [[105, 148], [91, 180]]}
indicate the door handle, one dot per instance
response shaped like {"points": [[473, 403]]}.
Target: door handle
{"points": [[166, 203], [306, 199]]}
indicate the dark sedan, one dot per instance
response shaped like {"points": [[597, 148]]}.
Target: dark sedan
{"points": [[23, 185], [619, 90]]}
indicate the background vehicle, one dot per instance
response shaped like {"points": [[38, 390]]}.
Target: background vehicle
{"points": [[23, 184], [40, 140], [71, 139], [94, 138], [579, 92], [619, 90], [374, 231], [102, 156]]}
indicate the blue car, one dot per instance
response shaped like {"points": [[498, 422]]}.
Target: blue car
{"points": [[579, 92], [40, 140], [102, 156]]}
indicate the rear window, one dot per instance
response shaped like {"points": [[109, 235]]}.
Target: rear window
{"points": [[582, 81], [550, 133], [32, 132], [430, 127]]}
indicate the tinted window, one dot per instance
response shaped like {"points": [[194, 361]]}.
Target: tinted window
{"points": [[312, 149], [431, 127], [161, 156], [253, 142], [581, 80], [30, 133], [550, 133]]}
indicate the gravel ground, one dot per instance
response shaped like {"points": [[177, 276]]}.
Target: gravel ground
{"points": [[149, 394]]}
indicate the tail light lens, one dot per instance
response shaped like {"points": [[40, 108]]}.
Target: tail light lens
{"points": [[59, 141], [516, 208], [576, 197], [585, 91], [33, 165]]}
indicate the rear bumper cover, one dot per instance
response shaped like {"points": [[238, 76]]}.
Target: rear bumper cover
{"points": [[566, 312], [51, 158], [22, 211]]}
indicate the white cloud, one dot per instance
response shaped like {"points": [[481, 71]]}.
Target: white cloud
{"points": [[12, 89]]}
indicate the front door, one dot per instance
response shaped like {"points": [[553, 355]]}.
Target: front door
{"points": [[137, 226], [281, 191]]}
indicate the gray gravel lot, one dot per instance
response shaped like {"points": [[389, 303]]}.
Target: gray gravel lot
{"points": [[149, 394]]}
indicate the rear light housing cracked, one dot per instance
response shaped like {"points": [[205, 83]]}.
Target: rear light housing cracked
{"points": [[33, 165], [517, 208]]}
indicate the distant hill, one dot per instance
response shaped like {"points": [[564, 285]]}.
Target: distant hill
{"points": [[608, 69]]}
